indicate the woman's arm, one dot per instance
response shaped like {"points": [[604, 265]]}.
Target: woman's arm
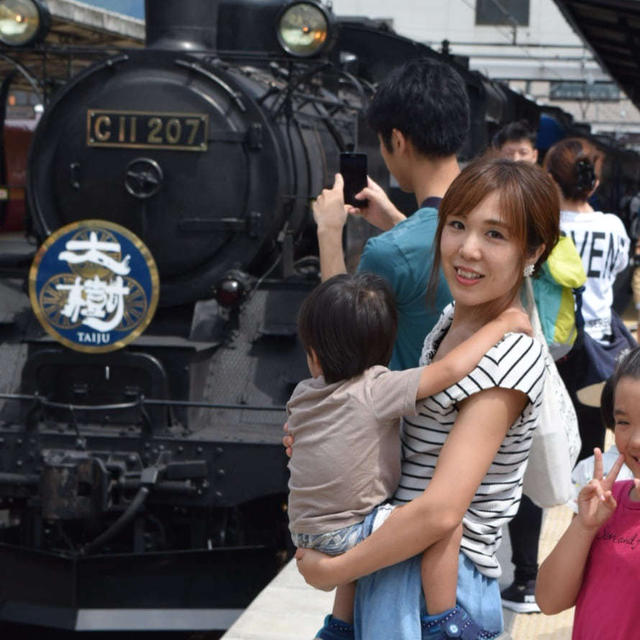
{"points": [[560, 576], [481, 425]]}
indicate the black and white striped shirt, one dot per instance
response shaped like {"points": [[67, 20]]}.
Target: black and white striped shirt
{"points": [[516, 362]]}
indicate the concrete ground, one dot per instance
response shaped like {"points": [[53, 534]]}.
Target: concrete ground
{"points": [[536, 626]]}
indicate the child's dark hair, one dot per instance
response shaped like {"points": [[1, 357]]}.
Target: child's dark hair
{"points": [[606, 405], [350, 322], [513, 132], [427, 101], [628, 367]]}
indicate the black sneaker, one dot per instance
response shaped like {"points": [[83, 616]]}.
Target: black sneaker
{"points": [[521, 598]]}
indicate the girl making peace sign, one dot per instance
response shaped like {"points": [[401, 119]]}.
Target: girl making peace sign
{"points": [[596, 564]]}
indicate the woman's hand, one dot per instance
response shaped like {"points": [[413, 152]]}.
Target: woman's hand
{"points": [[316, 568], [596, 504]]}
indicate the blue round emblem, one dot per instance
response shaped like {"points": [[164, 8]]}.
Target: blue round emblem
{"points": [[94, 286]]}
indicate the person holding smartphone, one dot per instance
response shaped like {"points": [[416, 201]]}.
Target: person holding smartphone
{"points": [[421, 115]]}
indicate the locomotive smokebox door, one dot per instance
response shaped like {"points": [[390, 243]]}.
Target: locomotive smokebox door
{"points": [[173, 148]]}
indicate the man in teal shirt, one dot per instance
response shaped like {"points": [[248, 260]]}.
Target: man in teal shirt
{"points": [[421, 115]]}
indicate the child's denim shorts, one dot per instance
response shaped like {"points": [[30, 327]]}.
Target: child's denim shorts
{"points": [[340, 540]]}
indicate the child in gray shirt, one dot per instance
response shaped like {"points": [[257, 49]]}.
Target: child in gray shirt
{"points": [[345, 422]]}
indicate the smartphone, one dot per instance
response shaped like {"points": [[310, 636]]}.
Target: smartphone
{"points": [[353, 167]]}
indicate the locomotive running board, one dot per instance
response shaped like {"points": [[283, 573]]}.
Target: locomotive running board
{"points": [[173, 591], [120, 619]]}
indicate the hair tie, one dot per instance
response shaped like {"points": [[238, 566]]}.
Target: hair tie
{"points": [[585, 174]]}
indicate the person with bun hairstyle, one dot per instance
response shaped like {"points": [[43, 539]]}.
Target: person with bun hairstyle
{"points": [[603, 244]]}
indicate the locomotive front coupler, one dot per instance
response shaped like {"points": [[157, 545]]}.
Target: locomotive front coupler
{"points": [[74, 485], [82, 485], [148, 479]]}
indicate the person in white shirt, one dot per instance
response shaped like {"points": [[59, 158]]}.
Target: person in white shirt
{"points": [[603, 244]]}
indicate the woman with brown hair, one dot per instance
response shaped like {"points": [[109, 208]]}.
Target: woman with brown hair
{"points": [[603, 244], [464, 454]]}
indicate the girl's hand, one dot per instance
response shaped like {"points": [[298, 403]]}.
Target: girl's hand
{"points": [[595, 501], [315, 568]]}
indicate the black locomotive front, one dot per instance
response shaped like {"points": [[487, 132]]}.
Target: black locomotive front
{"points": [[152, 477], [207, 161]]}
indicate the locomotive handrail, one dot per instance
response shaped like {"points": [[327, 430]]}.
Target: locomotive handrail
{"points": [[19, 478], [35, 85], [235, 96], [325, 101], [136, 403], [211, 405]]}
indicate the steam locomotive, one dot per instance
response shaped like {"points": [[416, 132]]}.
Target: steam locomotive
{"points": [[142, 479], [144, 378]]}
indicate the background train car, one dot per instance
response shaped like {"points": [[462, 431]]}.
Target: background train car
{"points": [[16, 137]]}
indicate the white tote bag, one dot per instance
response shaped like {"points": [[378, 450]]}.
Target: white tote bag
{"points": [[556, 440]]}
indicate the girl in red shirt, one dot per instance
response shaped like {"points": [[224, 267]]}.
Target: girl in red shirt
{"points": [[596, 564]]}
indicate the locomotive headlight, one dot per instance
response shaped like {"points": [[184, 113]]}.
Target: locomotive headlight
{"points": [[303, 29], [22, 22]]}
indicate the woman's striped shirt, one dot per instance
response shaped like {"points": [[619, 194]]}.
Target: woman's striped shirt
{"points": [[516, 362]]}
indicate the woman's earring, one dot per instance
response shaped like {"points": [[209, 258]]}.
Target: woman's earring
{"points": [[528, 271]]}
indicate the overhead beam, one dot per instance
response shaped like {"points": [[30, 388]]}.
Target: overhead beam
{"points": [[611, 30]]}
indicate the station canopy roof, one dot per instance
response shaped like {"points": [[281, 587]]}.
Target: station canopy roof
{"points": [[76, 31], [611, 28]]}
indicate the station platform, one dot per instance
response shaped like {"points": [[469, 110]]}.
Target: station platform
{"points": [[537, 626], [289, 609]]}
